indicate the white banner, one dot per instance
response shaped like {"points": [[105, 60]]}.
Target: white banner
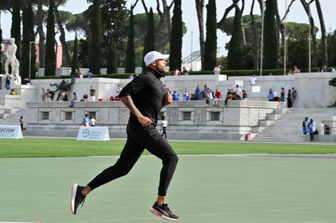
{"points": [[93, 133], [10, 132]]}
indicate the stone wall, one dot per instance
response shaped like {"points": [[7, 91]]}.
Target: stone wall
{"points": [[186, 120]]}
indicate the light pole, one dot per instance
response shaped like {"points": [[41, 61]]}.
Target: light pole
{"points": [[30, 43], [309, 36], [191, 50], [262, 37]]}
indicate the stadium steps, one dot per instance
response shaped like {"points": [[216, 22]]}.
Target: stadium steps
{"points": [[288, 127], [9, 116]]}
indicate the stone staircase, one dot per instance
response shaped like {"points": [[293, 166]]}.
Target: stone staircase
{"points": [[288, 127], [9, 116]]}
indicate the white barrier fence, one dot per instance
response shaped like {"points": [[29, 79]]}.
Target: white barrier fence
{"points": [[10, 132], [93, 133]]}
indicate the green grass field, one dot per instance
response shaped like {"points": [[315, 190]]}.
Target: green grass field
{"points": [[208, 188], [54, 147]]}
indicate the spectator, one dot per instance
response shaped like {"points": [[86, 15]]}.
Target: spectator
{"points": [[86, 121], [90, 74], [8, 82], [218, 97], [176, 96], [324, 68], [93, 121], [253, 80], [197, 94], [282, 94], [164, 124], [73, 100], [217, 70], [21, 123], [244, 94], [92, 94], [186, 95], [289, 99], [177, 72], [238, 93], [184, 71], [270, 95], [294, 94], [312, 129], [296, 70], [207, 94], [305, 128]]}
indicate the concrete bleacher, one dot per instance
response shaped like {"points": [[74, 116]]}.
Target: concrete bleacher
{"points": [[263, 120]]}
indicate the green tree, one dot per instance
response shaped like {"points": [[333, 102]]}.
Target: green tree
{"points": [[112, 63], [331, 42], [149, 39], [75, 60], [235, 53], [96, 39], [297, 42], [50, 55], [130, 56], [175, 58], [114, 24], [270, 50], [210, 46], [28, 44], [83, 53], [16, 26]]}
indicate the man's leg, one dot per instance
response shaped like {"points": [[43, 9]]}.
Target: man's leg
{"points": [[155, 143], [128, 157]]}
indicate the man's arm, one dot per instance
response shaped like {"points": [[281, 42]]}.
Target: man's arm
{"points": [[128, 102], [168, 99]]}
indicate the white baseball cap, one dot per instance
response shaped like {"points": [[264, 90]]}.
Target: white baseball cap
{"points": [[152, 56]]}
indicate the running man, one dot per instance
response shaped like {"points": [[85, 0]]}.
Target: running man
{"points": [[144, 96]]}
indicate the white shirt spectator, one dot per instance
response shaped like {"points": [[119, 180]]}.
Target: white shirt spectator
{"points": [[253, 80], [217, 70], [164, 123]]}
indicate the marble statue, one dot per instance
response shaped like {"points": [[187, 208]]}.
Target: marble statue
{"points": [[13, 61]]}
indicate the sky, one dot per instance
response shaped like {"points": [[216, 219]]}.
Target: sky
{"points": [[191, 38]]}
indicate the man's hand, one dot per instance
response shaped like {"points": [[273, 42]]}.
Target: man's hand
{"points": [[168, 99], [145, 121]]}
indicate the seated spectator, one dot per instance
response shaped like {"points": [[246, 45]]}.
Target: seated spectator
{"points": [[186, 95], [184, 71], [238, 93], [244, 94], [270, 95], [218, 97], [296, 70], [85, 97], [197, 93], [73, 100], [176, 96]]}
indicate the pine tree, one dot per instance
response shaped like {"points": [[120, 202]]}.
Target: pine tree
{"points": [[96, 40], [75, 60], [210, 46], [16, 27], [175, 58], [50, 56], [270, 36], [130, 54], [28, 46], [149, 39], [235, 52], [112, 63]]}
